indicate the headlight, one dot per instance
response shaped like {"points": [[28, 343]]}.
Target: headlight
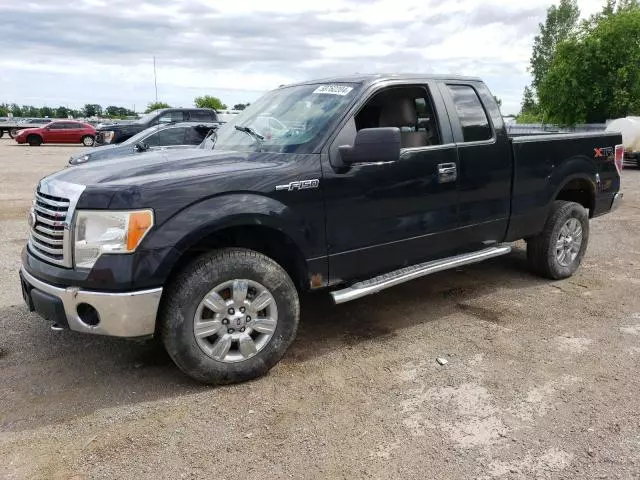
{"points": [[102, 231], [108, 136]]}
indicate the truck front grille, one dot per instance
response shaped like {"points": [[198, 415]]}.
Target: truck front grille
{"points": [[49, 236]]}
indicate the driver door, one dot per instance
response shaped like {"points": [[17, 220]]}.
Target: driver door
{"points": [[384, 216]]}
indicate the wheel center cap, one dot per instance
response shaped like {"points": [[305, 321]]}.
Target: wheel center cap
{"points": [[237, 321]]}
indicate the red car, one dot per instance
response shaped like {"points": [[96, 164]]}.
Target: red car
{"points": [[63, 131]]}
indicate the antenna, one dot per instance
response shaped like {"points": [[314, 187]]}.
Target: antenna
{"points": [[155, 79]]}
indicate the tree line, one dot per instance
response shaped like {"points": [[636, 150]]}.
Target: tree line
{"points": [[95, 110], [585, 71]]}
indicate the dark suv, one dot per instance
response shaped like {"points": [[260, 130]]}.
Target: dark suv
{"points": [[119, 132]]}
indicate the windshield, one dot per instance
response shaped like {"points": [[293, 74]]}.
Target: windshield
{"points": [[146, 117], [291, 119]]}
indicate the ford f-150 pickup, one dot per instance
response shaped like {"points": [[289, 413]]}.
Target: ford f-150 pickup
{"points": [[383, 179]]}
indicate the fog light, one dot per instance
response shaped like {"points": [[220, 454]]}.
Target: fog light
{"points": [[88, 314]]}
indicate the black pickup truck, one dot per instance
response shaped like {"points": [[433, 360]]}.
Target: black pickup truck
{"points": [[383, 179], [121, 131]]}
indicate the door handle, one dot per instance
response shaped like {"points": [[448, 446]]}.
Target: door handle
{"points": [[447, 172]]}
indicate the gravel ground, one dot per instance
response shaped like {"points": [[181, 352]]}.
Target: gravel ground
{"points": [[542, 379]]}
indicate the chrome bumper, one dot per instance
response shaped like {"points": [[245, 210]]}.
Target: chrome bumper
{"points": [[617, 199], [128, 314]]}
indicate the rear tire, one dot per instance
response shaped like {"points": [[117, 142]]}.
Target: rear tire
{"points": [[34, 140], [557, 251], [205, 322], [87, 141]]}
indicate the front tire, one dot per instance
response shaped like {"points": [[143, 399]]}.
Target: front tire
{"points": [[87, 141], [13, 133], [34, 140], [229, 316], [558, 250]]}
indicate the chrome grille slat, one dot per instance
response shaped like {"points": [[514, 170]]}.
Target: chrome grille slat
{"points": [[53, 203], [46, 240], [54, 223], [44, 248], [52, 213], [48, 231]]}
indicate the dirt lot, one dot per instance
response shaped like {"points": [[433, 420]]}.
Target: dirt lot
{"points": [[542, 381]]}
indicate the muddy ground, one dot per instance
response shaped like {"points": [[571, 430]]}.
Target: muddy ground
{"points": [[543, 378]]}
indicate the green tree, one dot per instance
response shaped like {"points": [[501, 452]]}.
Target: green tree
{"points": [[561, 22], [594, 76], [30, 111], [240, 106], [15, 110], [62, 112], [4, 109], [207, 101], [156, 106], [92, 110], [47, 112]]}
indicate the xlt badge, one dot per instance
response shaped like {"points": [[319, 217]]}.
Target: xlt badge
{"points": [[299, 185]]}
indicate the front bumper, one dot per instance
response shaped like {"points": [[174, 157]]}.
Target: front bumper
{"points": [[617, 199], [121, 314]]}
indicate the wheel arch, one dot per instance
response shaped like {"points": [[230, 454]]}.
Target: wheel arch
{"points": [[578, 188], [241, 220]]}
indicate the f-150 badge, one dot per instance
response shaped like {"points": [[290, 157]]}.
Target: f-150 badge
{"points": [[299, 185]]}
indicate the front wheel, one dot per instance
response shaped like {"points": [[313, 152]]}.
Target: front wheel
{"points": [[87, 141], [34, 140], [558, 250], [13, 133], [229, 316]]}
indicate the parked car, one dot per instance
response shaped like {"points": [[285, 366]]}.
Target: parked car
{"points": [[12, 127], [211, 249], [121, 131], [62, 131], [161, 137]]}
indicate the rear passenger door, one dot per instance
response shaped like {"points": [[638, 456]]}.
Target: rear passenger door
{"points": [[72, 132], [484, 163], [205, 116]]}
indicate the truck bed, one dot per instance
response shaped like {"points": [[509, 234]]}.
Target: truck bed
{"points": [[543, 164]]}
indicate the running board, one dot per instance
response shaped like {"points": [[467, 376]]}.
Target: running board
{"points": [[381, 282]]}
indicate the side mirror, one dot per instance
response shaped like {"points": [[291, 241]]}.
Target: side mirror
{"points": [[372, 145], [141, 147]]}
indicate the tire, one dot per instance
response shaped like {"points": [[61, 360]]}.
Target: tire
{"points": [[34, 140], [555, 253], [87, 141], [13, 133], [2, 133], [241, 270]]}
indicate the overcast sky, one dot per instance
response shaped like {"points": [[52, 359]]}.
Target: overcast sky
{"points": [[58, 52]]}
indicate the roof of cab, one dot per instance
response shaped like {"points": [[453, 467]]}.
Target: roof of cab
{"points": [[367, 79]]}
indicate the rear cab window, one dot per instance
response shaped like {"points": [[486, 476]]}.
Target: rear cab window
{"points": [[471, 114]]}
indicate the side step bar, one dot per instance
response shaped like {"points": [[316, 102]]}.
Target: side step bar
{"points": [[381, 282]]}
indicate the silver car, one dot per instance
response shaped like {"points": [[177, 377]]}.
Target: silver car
{"points": [[177, 135]]}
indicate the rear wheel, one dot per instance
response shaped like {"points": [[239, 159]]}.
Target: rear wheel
{"points": [[229, 316], [87, 141], [34, 140], [558, 250]]}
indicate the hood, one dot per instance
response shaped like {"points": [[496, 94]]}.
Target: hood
{"points": [[28, 130], [104, 151], [161, 166]]}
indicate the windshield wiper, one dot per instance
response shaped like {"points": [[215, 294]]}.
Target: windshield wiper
{"points": [[259, 138]]}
